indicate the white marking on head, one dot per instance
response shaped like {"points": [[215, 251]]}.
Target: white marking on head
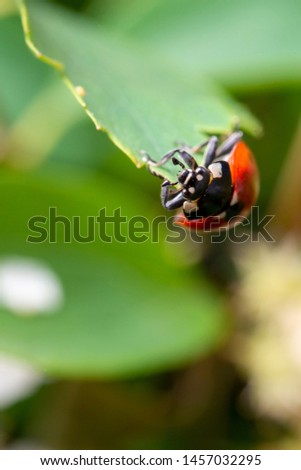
{"points": [[216, 170], [234, 199], [188, 178], [199, 177], [191, 190], [190, 206]]}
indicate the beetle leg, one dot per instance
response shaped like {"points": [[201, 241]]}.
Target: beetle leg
{"points": [[161, 162], [199, 147], [153, 172], [150, 164], [210, 152], [171, 199], [187, 158], [229, 143], [146, 158]]}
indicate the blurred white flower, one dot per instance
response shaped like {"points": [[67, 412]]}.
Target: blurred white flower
{"points": [[271, 277], [28, 287], [269, 343], [17, 380]]}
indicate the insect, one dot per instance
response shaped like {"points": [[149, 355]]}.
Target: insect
{"points": [[216, 194]]}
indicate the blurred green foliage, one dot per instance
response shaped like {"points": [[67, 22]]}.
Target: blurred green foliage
{"points": [[118, 318], [243, 45], [153, 317]]}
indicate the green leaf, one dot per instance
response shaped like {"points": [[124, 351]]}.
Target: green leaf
{"points": [[127, 310], [21, 76], [142, 103], [241, 44], [27, 88]]}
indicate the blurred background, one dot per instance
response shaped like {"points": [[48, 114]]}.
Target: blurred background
{"points": [[150, 345]]}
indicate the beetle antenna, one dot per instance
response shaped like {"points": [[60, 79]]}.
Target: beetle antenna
{"points": [[175, 161]]}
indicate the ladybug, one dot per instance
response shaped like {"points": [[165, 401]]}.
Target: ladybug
{"points": [[217, 194]]}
